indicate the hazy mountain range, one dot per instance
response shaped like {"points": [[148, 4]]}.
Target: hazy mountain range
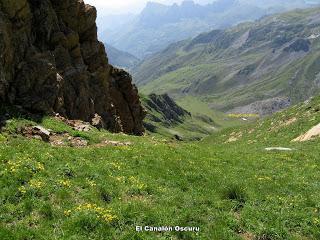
{"points": [[158, 25]]}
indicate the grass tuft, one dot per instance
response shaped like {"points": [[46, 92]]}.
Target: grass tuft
{"points": [[235, 193]]}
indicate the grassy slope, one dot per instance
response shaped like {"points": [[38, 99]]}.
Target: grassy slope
{"points": [[210, 71], [231, 190], [198, 107], [202, 122]]}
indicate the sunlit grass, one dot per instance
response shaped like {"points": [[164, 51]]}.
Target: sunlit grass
{"points": [[229, 190]]}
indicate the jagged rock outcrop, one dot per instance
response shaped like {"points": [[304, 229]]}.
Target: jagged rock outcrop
{"points": [[264, 107], [51, 61], [167, 108], [299, 45]]}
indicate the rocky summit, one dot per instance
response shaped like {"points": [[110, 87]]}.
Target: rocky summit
{"points": [[52, 62]]}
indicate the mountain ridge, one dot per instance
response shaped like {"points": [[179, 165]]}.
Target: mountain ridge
{"points": [[241, 65], [158, 24]]}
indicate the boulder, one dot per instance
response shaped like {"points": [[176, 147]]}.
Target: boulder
{"points": [[278, 149]]}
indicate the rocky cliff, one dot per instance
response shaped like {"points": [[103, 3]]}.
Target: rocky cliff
{"points": [[52, 62], [170, 112]]}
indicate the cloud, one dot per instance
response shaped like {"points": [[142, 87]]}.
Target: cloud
{"points": [[117, 5]]}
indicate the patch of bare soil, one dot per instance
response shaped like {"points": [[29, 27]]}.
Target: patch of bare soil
{"points": [[234, 137], [310, 135], [64, 139], [137, 198], [290, 121], [247, 236], [55, 139], [283, 124], [113, 143], [251, 131], [77, 125]]}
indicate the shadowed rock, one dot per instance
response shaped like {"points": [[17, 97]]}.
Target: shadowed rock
{"points": [[52, 62], [299, 45], [166, 106]]}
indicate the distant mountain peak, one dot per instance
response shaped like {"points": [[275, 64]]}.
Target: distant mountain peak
{"points": [[159, 24], [152, 4]]}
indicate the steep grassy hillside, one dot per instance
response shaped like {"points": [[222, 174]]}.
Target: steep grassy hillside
{"points": [[275, 59], [121, 59], [228, 185]]}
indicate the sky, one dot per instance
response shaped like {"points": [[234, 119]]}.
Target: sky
{"points": [[121, 6], [109, 7], [124, 6]]}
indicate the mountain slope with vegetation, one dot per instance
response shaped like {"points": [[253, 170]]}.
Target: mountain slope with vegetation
{"points": [[121, 59], [228, 185], [168, 119], [268, 64]]}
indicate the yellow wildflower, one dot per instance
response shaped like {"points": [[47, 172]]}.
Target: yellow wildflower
{"points": [[120, 179], [39, 166], [116, 165], [14, 166], [22, 189], [91, 183], [67, 213], [65, 183], [136, 183], [100, 212], [34, 183]]}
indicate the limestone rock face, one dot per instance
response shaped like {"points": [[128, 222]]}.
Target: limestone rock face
{"points": [[51, 61]]}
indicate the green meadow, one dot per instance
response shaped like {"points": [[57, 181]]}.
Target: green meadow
{"points": [[228, 185]]}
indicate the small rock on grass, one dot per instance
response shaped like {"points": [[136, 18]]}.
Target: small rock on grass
{"points": [[116, 143], [278, 149]]}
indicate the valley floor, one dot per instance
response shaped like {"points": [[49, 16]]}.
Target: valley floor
{"points": [[228, 185]]}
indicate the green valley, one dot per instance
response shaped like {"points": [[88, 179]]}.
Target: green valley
{"points": [[189, 120], [228, 185]]}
